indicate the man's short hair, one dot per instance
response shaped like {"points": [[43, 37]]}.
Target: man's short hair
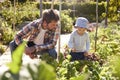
{"points": [[50, 15]]}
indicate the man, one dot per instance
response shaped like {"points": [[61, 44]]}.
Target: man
{"points": [[42, 35]]}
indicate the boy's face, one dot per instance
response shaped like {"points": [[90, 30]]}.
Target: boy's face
{"points": [[81, 30]]}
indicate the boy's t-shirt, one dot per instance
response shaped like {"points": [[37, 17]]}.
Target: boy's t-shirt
{"points": [[80, 42]]}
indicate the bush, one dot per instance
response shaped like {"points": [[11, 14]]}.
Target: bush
{"points": [[87, 10], [7, 35], [24, 12], [2, 49], [66, 23]]}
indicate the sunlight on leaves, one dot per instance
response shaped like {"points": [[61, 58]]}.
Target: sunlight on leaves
{"points": [[83, 76], [115, 64], [46, 72], [17, 59]]}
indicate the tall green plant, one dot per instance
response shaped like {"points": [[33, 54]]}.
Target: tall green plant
{"points": [[17, 59]]}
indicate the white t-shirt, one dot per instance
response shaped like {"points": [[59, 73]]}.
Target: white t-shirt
{"points": [[40, 38]]}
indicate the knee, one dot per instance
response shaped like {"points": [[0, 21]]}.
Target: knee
{"points": [[53, 53], [12, 46]]}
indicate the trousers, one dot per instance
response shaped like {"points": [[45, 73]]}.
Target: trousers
{"points": [[77, 56]]}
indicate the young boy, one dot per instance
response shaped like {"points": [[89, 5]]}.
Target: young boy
{"points": [[79, 41]]}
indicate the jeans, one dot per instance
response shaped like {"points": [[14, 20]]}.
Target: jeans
{"points": [[52, 52], [12, 46], [77, 56]]}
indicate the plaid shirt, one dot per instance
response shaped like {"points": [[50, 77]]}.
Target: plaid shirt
{"points": [[31, 31]]}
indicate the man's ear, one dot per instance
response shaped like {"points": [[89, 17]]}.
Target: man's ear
{"points": [[45, 24]]}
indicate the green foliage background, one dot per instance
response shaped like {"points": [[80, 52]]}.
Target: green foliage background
{"points": [[108, 45]]}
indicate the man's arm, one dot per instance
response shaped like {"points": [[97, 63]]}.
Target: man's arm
{"points": [[25, 32], [49, 45]]}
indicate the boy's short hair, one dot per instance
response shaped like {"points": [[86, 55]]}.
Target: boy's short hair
{"points": [[81, 22], [50, 15]]}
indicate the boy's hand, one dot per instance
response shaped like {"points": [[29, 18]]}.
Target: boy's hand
{"points": [[73, 50], [86, 54]]}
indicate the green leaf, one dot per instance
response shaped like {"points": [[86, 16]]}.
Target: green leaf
{"points": [[17, 59], [83, 76], [46, 72]]}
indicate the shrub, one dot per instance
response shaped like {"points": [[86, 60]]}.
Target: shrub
{"points": [[7, 35], [2, 49], [66, 23], [87, 10]]}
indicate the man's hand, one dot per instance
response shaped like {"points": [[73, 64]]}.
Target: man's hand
{"points": [[29, 50]]}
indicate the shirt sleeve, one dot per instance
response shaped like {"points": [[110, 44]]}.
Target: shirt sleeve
{"points": [[87, 43], [49, 45], [24, 32], [71, 41]]}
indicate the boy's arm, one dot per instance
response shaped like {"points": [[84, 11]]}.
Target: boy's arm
{"points": [[87, 46], [88, 43], [71, 43]]}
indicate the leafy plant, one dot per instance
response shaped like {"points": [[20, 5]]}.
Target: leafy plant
{"points": [[2, 49], [17, 59], [44, 72], [38, 72], [114, 64], [67, 24], [7, 35]]}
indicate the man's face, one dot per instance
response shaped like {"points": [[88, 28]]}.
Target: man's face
{"points": [[52, 25]]}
